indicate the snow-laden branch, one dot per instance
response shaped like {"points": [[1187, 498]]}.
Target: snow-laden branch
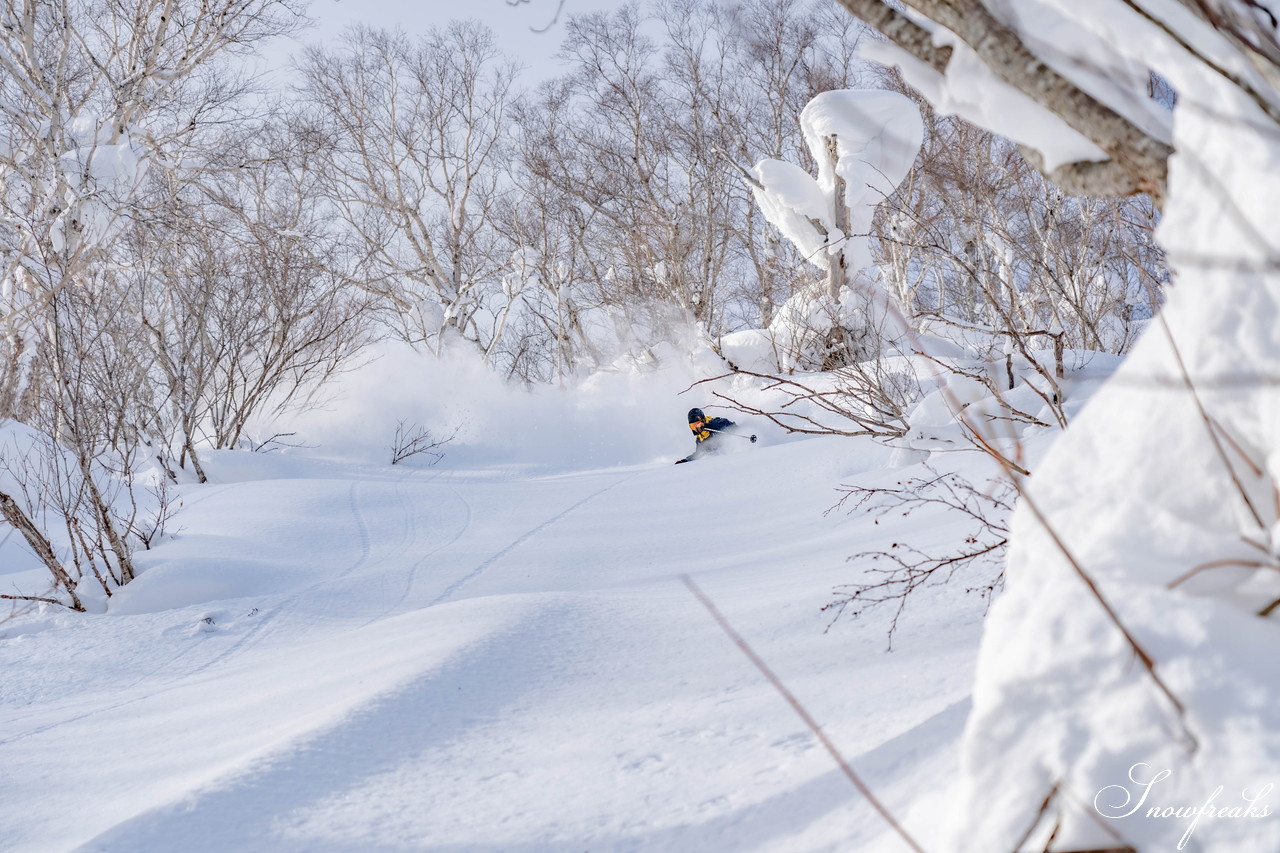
{"points": [[978, 67]]}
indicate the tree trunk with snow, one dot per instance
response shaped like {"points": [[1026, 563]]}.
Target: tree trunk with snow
{"points": [[1148, 533], [1135, 160]]}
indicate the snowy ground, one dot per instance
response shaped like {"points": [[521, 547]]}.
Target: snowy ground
{"points": [[335, 657]]}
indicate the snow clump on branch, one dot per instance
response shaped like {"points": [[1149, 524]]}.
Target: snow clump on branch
{"points": [[864, 142]]}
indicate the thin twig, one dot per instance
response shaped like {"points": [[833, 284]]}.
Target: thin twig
{"points": [[551, 23], [1213, 434], [36, 598], [1216, 564], [1122, 846], [1044, 807]]}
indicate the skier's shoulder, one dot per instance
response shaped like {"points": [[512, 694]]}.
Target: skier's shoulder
{"points": [[720, 423]]}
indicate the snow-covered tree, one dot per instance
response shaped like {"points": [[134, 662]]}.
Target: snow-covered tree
{"points": [[864, 142], [1125, 672], [97, 99]]}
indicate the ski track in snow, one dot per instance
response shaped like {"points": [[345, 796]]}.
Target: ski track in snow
{"points": [[270, 618], [23, 735], [526, 536], [264, 621], [411, 574], [578, 698], [362, 530]]}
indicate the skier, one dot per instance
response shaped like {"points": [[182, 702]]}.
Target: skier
{"points": [[709, 433]]}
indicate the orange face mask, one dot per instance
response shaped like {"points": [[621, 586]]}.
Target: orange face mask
{"points": [[696, 426]]}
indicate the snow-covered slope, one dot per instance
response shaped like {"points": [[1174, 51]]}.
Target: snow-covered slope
{"points": [[340, 657]]}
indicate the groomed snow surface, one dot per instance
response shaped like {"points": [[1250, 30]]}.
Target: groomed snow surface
{"points": [[337, 655]]}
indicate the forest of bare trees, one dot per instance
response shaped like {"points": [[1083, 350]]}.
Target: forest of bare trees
{"points": [[185, 252]]}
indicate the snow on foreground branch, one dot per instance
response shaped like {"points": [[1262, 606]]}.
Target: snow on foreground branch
{"points": [[1160, 501], [1090, 128]]}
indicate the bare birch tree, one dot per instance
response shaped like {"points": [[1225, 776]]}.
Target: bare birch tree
{"points": [[94, 96], [415, 132]]}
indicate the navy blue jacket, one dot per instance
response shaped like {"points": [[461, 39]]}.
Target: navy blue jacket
{"points": [[709, 438]]}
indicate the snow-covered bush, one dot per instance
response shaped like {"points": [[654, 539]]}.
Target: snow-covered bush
{"points": [[864, 347], [80, 511]]}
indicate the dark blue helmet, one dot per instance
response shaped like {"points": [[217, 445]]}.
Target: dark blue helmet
{"points": [[696, 415]]}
